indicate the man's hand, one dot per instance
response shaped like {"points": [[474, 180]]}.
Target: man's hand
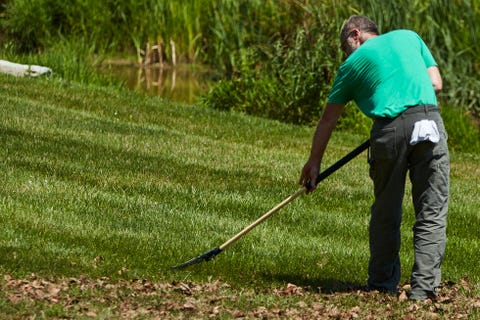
{"points": [[309, 175]]}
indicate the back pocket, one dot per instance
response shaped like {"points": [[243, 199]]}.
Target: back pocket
{"points": [[384, 144]]}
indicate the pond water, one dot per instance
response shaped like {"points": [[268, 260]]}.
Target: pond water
{"points": [[181, 83]]}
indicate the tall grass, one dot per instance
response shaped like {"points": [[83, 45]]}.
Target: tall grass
{"points": [[99, 182], [278, 57]]}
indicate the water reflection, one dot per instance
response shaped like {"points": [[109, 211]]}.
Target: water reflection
{"points": [[182, 83]]}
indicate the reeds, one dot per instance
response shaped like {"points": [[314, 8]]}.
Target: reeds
{"points": [[219, 33]]}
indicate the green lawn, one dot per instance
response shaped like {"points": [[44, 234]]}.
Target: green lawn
{"points": [[101, 183]]}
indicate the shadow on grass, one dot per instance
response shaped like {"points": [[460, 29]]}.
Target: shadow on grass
{"points": [[324, 285]]}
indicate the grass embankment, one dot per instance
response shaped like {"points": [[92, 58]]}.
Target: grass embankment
{"points": [[99, 183]]}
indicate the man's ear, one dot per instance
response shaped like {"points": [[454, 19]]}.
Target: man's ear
{"points": [[356, 34]]}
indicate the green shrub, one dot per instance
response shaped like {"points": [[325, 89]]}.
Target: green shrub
{"points": [[354, 121], [268, 42], [463, 134], [27, 24], [289, 87], [293, 82]]}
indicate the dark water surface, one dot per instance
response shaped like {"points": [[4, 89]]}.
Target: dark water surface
{"points": [[181, 83]]}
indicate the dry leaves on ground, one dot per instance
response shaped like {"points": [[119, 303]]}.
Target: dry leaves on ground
{"points": [[128, 299]]}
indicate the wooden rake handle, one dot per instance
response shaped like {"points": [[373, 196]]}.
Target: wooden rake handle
{"points": [[263, 218], [337, 165]]}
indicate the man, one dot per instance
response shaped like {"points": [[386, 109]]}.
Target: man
{"points": [[393, 79]]}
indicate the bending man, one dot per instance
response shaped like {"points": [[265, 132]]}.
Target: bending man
{"points": [[393, 78]]}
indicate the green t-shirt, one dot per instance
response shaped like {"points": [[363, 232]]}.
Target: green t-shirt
{"points": [[386, 75]]}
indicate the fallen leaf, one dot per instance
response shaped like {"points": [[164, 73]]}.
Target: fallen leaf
{"points": [[403, 296], [188, 306]]}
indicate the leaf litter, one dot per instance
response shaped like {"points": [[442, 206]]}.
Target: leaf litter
{"points": [[84, 297]]}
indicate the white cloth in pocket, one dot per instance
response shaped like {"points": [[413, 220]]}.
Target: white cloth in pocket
{"points": [[425, 130]]}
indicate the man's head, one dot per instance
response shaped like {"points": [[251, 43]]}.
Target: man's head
{"points": [[356, 30]]}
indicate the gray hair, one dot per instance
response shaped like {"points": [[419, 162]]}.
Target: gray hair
{"points": [[360, 22]]}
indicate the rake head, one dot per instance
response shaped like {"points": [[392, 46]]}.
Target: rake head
{"points": [[207, 256]]}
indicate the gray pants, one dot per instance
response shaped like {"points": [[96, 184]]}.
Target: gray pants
{"points": [[391, 156]]}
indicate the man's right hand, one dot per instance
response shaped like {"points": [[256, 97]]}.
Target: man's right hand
{"points": [[309, 175]]}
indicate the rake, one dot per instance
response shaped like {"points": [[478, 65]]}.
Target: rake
{"points": [[209, 255]]}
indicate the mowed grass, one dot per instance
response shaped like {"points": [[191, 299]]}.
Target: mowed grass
{"points": [[98, 182]]}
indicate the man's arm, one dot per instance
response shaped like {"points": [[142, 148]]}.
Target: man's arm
{"points": [[325, 126], [436, 78]]}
